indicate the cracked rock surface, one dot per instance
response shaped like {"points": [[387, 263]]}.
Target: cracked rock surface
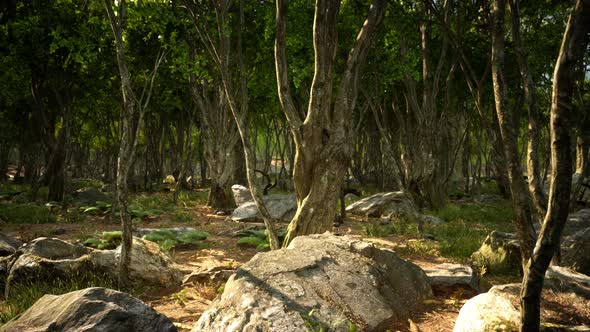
{"points": [[319, 281]]}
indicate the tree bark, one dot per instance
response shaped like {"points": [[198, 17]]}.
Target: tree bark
{"points": [[533, 166], [322, 139], [520, 199], [575, 39], [131, 120]]}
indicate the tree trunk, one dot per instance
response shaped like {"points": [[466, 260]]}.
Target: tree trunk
{"points": [[508, 129], [533, 167], [322, 140], [575, 39], [131, 120]]}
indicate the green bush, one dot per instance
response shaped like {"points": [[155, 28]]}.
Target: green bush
{"points": [[152, 202], [76, 184], [106, 240], [167, 239], [26, 214], [258, 238], [181, 216]]}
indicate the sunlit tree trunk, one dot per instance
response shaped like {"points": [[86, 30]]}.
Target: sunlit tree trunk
{"points": [[533, 166], [131, 118], [509, 130], [575, 39], [322, 138]]}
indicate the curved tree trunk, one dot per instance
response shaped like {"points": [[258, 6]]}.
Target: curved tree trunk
{"points": [[323, 140], [533, 166], [520, 199], [575, 39]]}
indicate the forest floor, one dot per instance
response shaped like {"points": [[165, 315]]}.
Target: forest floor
{"points": [[184, 305]]}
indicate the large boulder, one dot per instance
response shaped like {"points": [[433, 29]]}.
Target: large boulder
{"points": [[89, 196], [44, 257], [318, 281], [498, 310], [91, 309], [491, 311], [393, 205], [149, 265], [282, 207], [8, 245], [47, 257], [241, 194], [499, 253]]}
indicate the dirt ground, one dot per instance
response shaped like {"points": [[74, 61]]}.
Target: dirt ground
{"points": [[184, 305]]}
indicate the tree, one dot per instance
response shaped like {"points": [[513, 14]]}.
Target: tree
{"points": [[533, 167], [322, 135], [509, 130], [573, 46], [133, 111]]}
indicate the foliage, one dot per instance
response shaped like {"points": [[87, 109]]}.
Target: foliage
{"points": [[106, 240], [28, 213], [467, 226], [99, 208], [152, 202], [258, 238], [168, 239], [181, 216], [76, 184]]}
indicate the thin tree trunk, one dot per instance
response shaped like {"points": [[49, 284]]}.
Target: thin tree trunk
{"points": [[520, 199], [533, 167], [575, 39]]}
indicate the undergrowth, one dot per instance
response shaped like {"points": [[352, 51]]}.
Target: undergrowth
{"points": [[27, 213]]}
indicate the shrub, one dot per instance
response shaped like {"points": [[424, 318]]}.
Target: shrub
{"points": [[26, 214], [167, 239], [258, 238], [106, 240]]}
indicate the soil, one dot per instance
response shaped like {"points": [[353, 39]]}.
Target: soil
{"points": [[184, 305]]}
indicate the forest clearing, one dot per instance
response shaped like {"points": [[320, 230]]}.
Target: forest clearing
{"points": [[328, 165]]}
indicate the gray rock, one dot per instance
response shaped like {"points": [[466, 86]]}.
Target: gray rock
{"points": [[91, 309], [491, 311], [8, 245], [499, 253], [393, 205], [281, 207], [53, 248], [429, 220], [216, 274], [43, 257], [149, 265], [241, 194], [89, 196], [497, 310], [576, 251], [565, 279], [577, 222], [319, 280], [449, 275]]}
